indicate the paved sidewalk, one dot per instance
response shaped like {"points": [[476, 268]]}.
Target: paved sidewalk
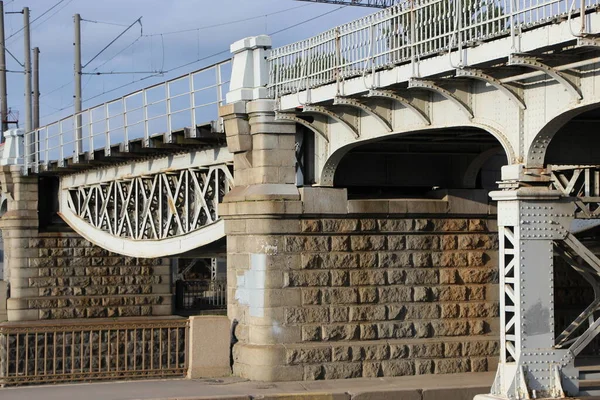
{"points": [[423, 387]]}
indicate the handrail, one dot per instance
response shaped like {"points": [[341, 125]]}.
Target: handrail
{"points": [[175, 104], [403, 33]]}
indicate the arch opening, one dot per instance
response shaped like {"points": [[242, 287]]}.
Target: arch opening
{"points": [[417, 164], [576, 142]]}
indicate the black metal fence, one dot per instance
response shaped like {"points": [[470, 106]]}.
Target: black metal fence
{"points": [[201, 295]]}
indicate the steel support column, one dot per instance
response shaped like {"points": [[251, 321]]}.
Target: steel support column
{"points": [[529, 220]]}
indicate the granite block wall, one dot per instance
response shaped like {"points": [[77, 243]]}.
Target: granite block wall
{"points": [[364, 297], [69, 277]]}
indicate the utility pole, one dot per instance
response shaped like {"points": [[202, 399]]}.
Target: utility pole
{"points": [[27, 50], [36, 87], [77, 76], [3, 96]]}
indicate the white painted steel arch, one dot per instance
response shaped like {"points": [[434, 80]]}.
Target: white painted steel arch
{"points": [[151, 208]]}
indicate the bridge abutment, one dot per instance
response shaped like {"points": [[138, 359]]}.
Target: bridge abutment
{"points": [[60, 275]]}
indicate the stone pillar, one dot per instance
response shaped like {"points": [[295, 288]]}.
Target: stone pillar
{"points": [[254, 211], [19, 224]]}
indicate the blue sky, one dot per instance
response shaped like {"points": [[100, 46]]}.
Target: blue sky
{"points": [[53, 34]]}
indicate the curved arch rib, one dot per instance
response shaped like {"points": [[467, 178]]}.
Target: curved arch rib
{"points": [[429, 85], [324, 111], [480, 76], [532, 63], [350, 102], [470, 177], [294, 118], [145, 248], [388, 94]]}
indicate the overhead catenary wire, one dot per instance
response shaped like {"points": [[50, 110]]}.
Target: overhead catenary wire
{"points": [[103, 22], [37, 18], [227, 23], [170, 70], [139, 20], [161, 71]]}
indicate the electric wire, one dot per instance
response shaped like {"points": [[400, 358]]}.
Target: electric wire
{"points": [[137, 21], [194, 61], [103, 22], [228, 23], [37, 18]]}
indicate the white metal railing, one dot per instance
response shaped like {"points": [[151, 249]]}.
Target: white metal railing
{"points": [[406, 32], [182, 102]]}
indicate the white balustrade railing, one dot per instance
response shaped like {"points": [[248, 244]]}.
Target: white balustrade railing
{"points": [[186, 101], [405, 32]]}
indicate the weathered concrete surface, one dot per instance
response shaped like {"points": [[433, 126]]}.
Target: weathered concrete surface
{"points": [[209, 347], [446, 387]]}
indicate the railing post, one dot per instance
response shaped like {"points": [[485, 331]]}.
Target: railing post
{"points": [[27, 151], [413, 55], [338, 61], [91, 134], [193, 102], [168, 100], [125, 128], [146, 127]]}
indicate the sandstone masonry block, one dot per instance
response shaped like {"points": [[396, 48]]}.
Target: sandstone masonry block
{"points": [[340, 296], [395, 294], [343, 370], [422, 242], [340, 225], [368, 243], [395, 260], [306, 315], [308, 355], [368, 313], [398, 368], [367, 278], [340, 332], [452, 366]]}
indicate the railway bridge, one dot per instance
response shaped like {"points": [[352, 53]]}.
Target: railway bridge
{"points": [[414, 192]]}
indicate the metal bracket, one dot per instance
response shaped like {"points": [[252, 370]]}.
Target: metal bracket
{"points": [[350, 102], [388, 94], [533, 63], [294, 118], [324, 111], [588, 41], [481, 76], [429, 85]]}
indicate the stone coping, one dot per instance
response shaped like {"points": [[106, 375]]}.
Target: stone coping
{"points": [[330, 201]]}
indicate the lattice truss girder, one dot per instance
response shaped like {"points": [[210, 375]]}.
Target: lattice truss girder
{"points": [[582, 183], [155, 206]]}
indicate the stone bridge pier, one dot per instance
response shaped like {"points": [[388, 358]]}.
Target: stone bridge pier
{"points": [[326, 287]]}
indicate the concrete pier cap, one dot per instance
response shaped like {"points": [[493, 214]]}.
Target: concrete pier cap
{"points": [[250, 72]]}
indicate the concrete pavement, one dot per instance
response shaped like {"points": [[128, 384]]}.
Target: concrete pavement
{"points": [[423, 387]]}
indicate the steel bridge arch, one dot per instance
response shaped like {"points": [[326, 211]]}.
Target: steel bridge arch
{"points": [[152, 208], [536, 153], [334, 159]]}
